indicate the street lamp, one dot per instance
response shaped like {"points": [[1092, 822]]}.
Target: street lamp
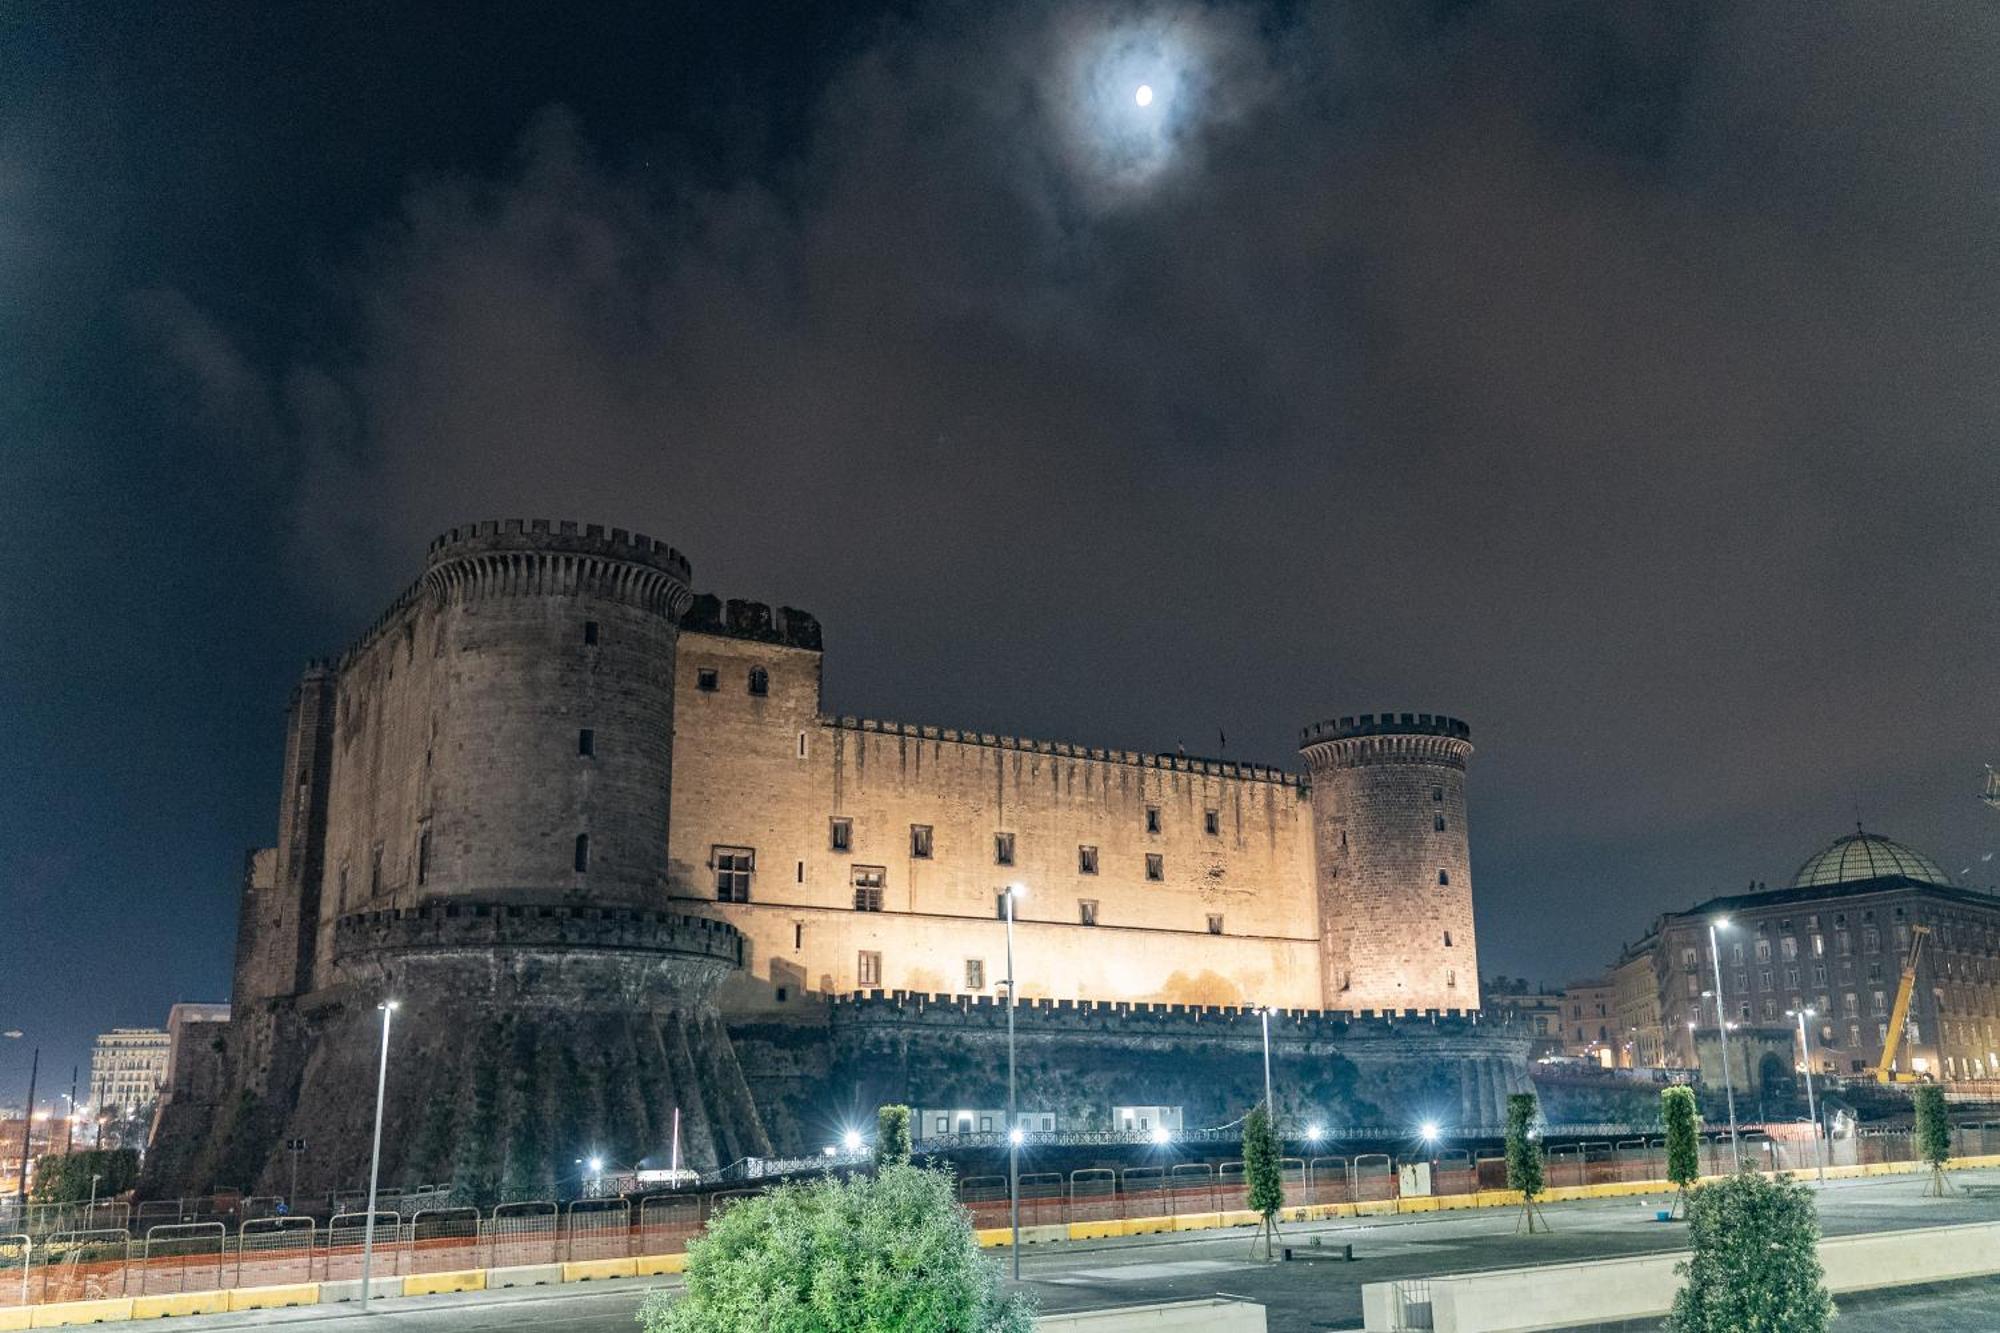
{"points": [[1270, 1107], [1014, 893], [851, 1140], [388, 1008], [1812, 1107], [1722, 1035], [27, 1124]]}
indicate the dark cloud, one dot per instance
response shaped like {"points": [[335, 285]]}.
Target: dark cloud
{"points": [[1620, 379]]}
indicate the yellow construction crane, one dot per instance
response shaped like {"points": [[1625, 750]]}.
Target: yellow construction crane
{"points": [[1901, 1013]]}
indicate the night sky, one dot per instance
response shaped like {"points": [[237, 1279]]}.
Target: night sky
{"points": [[1621, 379]]}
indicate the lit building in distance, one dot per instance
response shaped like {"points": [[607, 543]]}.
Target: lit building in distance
{"points": [[128, 1067]]}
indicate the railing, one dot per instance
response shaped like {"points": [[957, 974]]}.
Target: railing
{"points": [[165, 1256]]}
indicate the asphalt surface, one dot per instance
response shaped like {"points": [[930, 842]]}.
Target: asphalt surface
{"points": [[1299, 1296]]}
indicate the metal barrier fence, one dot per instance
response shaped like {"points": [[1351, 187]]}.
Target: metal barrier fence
{"points": [[172, 1254]]}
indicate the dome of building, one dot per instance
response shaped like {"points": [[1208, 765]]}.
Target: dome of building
{"points": [[1864, 856]]}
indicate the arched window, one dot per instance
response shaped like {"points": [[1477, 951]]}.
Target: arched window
{"points": [[760, 681], [582, 852]]}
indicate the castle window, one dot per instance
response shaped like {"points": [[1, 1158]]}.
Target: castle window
{"points": [[705, 678], [1437, 795], [1086, 911], [1444, 876], [586, 742], [1211, 822], [920, 841], [975, 974], [1447, 939], [868, 969], [840, 834], [582, 852], [802, 745], [868, 888], [343, 886], [589, 632], [1086, 860], [1156, 866], [1437, 823], [1451, 976], [760, 681], [798, 935], [1000, 904], [424, 855], [1152, 819], [1003, 849], [1214, 924], [733, 867]]}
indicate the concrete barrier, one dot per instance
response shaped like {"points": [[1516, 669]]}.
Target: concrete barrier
{"points": [[274, 1298], [436, 1284], [80, 1312], [592, 1270], [659, 1265], [1556, 1296], [1209, 1316], [337, 1293], [186, 1302], [523, 1275], [1035, 1235], [15, 1317]]}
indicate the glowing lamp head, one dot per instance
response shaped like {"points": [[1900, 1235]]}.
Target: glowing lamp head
{"points": [[1015, 1136], [1017, 890], [1722, 923], [597, 1164], [851, 1140], [1144, 95], [1429, 1130], [1160, 1134], [830, 1150], [1314, 1133]]}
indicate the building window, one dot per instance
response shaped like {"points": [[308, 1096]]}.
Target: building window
{"points": [[1843, 943], [1736, 953], [1156, 866], [1086, 860], [798, 936], [705, 678], [868, 888], [1211, 822], [1871, 940], [1850, 1004], [920, 841], [733, 868], [589, 632], [1447, 939], [1881, 1001], [1086, 911], [1763, 951], [1763, 978], [423, 856], [840, 834], [581, 860], [975, 974], [1437, 823], [1444, 876], [1437, 794], [1003, 849], [1152, 819], [1214, 924], [1451, 976], [868, 969], [1788, 948], [1819, 946], [760, 681], [586, 742], [1000, 904], [1688, 960]]}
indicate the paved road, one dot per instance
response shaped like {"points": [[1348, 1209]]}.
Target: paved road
{"points": [[1299, 1296]]}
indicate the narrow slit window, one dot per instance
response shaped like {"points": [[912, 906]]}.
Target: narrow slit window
{"points": [[590, 632], [868, 969], [586, 742], [840, 834], [1444, 876], [1152, 819], [1156, 866], [423, 857], [1437, 823], [975, 974], [760, 681], [1003, 849], [705, 678], [1211, 822], [1086, 911], [920, 841], [582, 859], [1086, 860]]}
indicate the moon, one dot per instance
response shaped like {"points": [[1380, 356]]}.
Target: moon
{"points": [[1144, 97]]}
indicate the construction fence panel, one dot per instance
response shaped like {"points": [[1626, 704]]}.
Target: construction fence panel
{"points": [[1232, 1187], [1093, 1195], [275, 1251], [1042, 1197], [985, 1198], [1374, 1177], [348, 1243], [444, 1240], [1452, 1172], [1327, 1180], [599, 1229], [15, 1252], [1191, 1188], [1489, 1169], [1145, 1191], [183, 1256], [523, 1233], [667, 1222], [83, 1266]]}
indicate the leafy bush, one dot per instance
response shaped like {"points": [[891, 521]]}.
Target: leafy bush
{"points": [[873, 1254], [65, 1177], [1755, 1263], [892, 1135], [1260, 1163], [1933, 1128], [1524, 1154], [1683, 1122]]}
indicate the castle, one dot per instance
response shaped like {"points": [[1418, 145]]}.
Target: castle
{"points": [[582, 820]]}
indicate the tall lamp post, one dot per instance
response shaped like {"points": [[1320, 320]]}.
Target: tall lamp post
{"points": [[1015, 892], [1270, 1107], [1812, 1107], [388, 1008], [27, 1126], [1722, 1035]]}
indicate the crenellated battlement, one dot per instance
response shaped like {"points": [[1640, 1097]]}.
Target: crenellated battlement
{"points": [[457, 926], [1385, 724], [756, 621], [566, 536], [1139, 759], [1134, 1018]]}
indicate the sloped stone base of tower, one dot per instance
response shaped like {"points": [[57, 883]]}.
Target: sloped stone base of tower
{"points": [[523, 1039]]}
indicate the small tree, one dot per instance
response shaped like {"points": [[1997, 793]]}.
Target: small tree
{"points": [[1524, 1160], [66, 1177], [1933, 1136], [1756, 1260], [892, 1136], [869, 1253], [1683, 1122], [1261, 1172]]}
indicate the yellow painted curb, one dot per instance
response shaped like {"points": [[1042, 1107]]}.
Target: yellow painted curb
{"points": [[273, 1298], [585, 1270], [15, 1317], [1374, 1207], [659, 1265], [1096, 1230], [81, 1312], [436, 1284], [186, 1302], [1148, 1226], [1198, 1222]]}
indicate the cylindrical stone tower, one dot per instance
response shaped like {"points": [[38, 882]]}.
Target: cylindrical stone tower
{"points": [[1394, 877], [551, 751]]}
